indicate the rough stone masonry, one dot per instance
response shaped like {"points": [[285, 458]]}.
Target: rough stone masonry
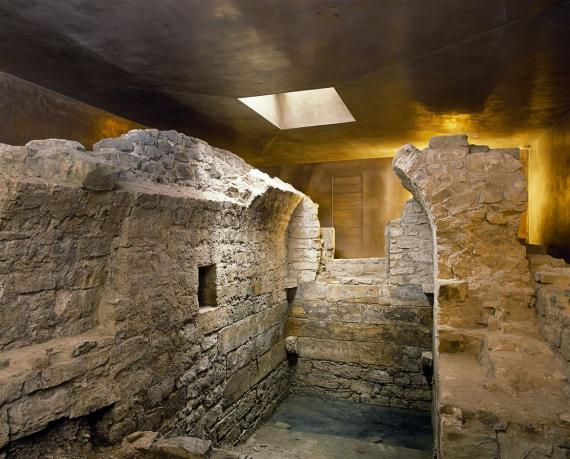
{"points": [[100, 322], [151, 290], [361, 327], [500, 318]]}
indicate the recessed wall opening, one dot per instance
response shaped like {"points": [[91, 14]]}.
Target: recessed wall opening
{"points": [[207, 287]]}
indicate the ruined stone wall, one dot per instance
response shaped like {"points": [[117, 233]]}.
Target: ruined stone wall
{"points": [[552, 277], [304, 244], [99, 288], [409, 248], [500, 391], [360, 329]]}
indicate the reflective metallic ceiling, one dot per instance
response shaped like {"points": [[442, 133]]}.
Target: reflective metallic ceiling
{"points": [[498, 70]]}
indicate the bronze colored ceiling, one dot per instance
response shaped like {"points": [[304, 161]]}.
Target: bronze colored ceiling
{"points": [[498, 70]]}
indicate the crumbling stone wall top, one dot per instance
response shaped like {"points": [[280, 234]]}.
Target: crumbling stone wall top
{"points": [[409, 248], [141, 156]]}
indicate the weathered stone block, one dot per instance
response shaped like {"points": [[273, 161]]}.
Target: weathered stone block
{"points": [[235, 335], [349, 351], [34, 282], [347, 312], [311, 291], [240, 357], [183, 448], [28, 415], [560, 276], [270, 360], [4, 427], [352, 293], [450, 291], [239, 383], [478, 148], [212, 320], [268, 338], [448, 141], [101, 178], [379, 376]]}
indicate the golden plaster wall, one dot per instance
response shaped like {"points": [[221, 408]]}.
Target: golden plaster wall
{"points": [[30, 112], [383, 198], [549, 189]]}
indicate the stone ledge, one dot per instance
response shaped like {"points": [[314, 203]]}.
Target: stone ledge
{"points": [[476, 422], [381, 354]]}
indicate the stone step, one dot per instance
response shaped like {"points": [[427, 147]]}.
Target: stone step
{"points": [[540, 261], [453, 340], [479, 420], [520, 328], [516, 364], [553, 275]]}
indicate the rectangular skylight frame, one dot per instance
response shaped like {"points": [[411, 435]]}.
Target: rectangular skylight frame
{"points": [[298, 109]]}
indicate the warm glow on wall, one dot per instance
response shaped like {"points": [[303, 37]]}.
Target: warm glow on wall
{"points": [[107, 126], [549, 189], [457, 123]]}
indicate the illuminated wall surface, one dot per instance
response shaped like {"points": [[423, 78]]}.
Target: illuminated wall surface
{"points": [[367, 194], [357, 197], [549, 189], [30, 112]]}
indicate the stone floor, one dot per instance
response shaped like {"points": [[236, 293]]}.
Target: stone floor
{"points": [[305, 427]]}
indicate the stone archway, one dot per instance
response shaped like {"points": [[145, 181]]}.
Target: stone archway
{"points": [[485, 330]]}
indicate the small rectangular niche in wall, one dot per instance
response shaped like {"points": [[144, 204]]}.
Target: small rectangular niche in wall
{"points": [[207, 292]]}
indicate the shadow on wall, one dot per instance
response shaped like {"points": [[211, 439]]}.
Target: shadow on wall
{"points": [[358, 198], [29, 112], [549, 190]]}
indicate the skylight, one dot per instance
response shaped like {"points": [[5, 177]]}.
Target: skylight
{"points": [[297, 109]]}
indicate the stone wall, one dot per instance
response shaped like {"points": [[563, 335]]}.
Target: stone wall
{"points": [[552, 277], [102, 332], [359, 330], [99, 256], [500, 391], [304, 244], [409, 248]]}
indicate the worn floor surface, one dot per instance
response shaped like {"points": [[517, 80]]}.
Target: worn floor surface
{"points": [[330, 429]]}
